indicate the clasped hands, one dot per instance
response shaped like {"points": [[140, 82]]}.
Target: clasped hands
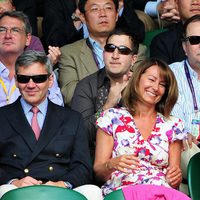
{"points": [[28, 181], [168, 11]]}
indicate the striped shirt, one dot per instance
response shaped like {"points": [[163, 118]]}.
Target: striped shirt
{"points": [[184, 108]]}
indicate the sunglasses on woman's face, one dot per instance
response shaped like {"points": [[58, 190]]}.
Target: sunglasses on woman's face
{"points": [[36, 78], [193, 39], [122, 49]]}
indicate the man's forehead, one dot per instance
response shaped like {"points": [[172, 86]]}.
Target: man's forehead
{"points": [[119, 38], [8, 20], [99, 2]]}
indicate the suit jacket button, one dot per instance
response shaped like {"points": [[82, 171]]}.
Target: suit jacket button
{"points": [[26, 171], [50, 168]]}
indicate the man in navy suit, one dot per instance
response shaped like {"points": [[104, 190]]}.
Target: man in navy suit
{"points": [[60, 156]]}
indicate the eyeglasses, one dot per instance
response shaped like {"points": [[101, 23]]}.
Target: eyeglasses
{"points": [[192, 39], [122, 49], [95, 9], [36, 78], [13, 30]]}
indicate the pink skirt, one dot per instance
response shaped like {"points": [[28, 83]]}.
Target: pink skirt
{"points": [[152, 192]]}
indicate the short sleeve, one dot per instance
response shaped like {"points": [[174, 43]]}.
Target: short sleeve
{"points": [[108, 119], [178, 132]]}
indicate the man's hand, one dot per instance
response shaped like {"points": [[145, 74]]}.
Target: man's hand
{"points": [[54, 54], [57, 183], [191, 139], [168, 11], [26, 181], [115, 91]]}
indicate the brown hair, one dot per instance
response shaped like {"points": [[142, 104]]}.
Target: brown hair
{"points": [[131, 93]]}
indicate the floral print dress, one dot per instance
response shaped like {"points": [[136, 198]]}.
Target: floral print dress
{"points": [[153, 152]]}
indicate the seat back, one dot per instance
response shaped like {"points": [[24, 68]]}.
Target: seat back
{"points": [[42, 192], [193, 177], [115, 195], [149, 35]]}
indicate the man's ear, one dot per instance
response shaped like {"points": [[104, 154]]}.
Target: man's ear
{"points": [[16, 82], [51, 80], [82, 17], [28, 39], [184, 47], [134, 59]]}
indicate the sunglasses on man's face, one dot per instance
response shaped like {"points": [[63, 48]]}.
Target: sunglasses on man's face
{"points": [[193, 39], [36, 78], [122, 49]]}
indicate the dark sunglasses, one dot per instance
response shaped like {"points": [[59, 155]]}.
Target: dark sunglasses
{"points": [[122, 49], [36, 78], [192, 39]]}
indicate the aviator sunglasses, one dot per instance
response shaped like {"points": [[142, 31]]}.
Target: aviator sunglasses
{"points": [[192, 39], [122, 49], [36, 78]]}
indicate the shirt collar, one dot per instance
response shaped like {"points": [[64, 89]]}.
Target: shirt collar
{"points": [[27, 107], [191, 71], [102, 78], [3, 69], [121, 11], [95, 44]]}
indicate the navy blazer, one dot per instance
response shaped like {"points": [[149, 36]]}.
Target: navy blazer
{"points": [[61, 153]]}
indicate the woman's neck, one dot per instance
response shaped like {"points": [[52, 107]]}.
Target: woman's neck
{"points": [[144, 111]]}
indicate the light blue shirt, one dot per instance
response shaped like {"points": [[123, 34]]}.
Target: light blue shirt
{"points": [[11, 93], [184, 108], [98, 52], [40, 115], [54, 92]]}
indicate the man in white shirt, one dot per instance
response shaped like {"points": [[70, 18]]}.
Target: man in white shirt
{"points": [[187, 73]]}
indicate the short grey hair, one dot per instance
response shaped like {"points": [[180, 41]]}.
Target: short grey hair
{"points": [[30, 57], [20, 16]]}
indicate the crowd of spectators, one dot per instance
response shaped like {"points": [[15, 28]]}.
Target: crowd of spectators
{"points": [[90, 62]]}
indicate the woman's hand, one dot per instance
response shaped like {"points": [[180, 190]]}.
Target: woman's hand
{"points": [[124, 163], [174, 176]]}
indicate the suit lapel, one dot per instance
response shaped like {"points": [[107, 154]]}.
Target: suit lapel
{"points": [[18, 121], [49, 130], [87, 58]]}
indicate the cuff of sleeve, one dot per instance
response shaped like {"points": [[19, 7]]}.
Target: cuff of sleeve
{"points": [[68, 185], [151, 8], [10, 181]]}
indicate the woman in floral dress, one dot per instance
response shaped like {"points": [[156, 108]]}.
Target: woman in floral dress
{"points": [[141, 143]]}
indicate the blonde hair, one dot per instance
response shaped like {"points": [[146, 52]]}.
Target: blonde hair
{"points": [[131, 93]]}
